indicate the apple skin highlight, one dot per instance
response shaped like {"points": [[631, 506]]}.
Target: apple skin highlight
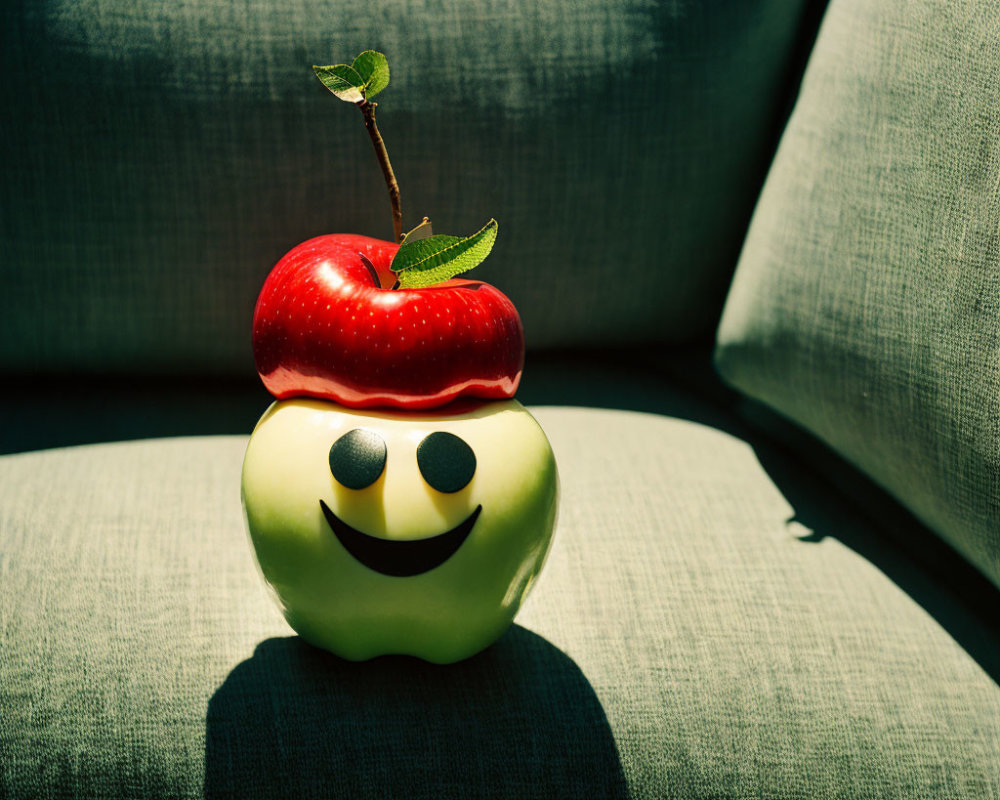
{"points": [[322, 328]]}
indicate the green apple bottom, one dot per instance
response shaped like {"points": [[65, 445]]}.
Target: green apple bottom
{"points": [[476, 539]]}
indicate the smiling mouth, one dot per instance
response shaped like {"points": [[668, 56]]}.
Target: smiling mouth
{"points": [[400, 558]]}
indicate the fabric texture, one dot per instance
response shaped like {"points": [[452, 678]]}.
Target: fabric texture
{"points": [[619, 143], [866, 304], [688, 638]]}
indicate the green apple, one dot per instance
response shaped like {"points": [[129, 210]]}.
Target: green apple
{"points": [[410, 532]]}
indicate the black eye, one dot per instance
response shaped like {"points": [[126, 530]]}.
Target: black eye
{"points": [[357, 458], [446, 462]]}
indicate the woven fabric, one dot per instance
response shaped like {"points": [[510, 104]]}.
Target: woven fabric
{"points": [[686, 639], [866, 305], [620, 144]]}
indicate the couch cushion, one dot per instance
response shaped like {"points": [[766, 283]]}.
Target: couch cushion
{"points": [[866, 305], [688, 638], [142, 209]]}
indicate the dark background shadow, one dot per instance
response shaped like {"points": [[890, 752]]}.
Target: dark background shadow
{"points": [[518, 720], [60, 411]]}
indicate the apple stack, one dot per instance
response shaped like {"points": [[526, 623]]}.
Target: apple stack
{"points": [[398, 498]]}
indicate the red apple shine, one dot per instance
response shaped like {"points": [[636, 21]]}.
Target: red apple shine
{"points": [[323, 328]]}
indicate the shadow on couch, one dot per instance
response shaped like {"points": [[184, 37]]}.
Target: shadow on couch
{"points": [[832, 500], [518, 720]]}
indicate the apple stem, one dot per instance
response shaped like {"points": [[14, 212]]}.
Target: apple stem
{"points": [[371, 270], [368, 110]]}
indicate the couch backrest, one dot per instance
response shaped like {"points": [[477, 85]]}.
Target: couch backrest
{"points": [[161, 157]]}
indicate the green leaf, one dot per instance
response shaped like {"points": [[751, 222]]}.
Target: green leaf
{"points": [[343, 80], [374, 71], [429, 261], [362, 80]]}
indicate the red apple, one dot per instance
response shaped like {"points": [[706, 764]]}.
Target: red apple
{"points": [[324, 327]]}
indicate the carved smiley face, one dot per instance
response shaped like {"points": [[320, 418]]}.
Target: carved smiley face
{"points": [[399, 532], [447, 464]]}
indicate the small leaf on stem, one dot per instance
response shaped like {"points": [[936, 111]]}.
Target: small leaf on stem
{"points": [[343, 81], [373, 68], [358, 83], [434, 260], [362, 80]]}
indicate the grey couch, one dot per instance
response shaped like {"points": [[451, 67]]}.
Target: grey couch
{"points": [[755, 248]]}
